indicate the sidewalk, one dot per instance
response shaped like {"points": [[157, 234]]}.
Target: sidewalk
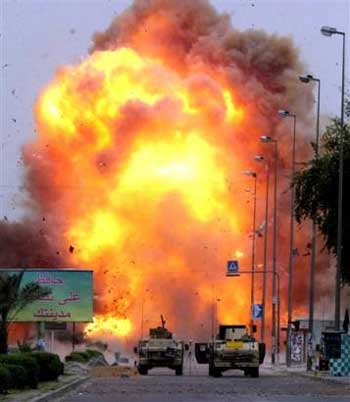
{"points": [[300, 370], [46, 391]]}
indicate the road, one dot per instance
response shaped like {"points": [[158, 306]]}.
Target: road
{"points": [[164, 386]]}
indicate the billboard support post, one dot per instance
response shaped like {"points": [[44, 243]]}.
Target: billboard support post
{"points": [[40, 335], [52, 340], [73, 338]]}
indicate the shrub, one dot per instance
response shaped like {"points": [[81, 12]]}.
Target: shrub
{"points": [[27, 362], [19, 378], [24, 347], [50, 365], [5, 379], [81, 357], [93, 353], [103, 346]]}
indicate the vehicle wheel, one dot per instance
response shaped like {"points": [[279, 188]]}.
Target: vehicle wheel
{"points": [[246, 372], [178, 370], [255, 372], [143, 370]]}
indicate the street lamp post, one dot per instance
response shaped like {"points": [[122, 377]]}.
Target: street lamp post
{"points": [[274, 331], [260, 158], [329, 31], [213, 312], [254, 175], [142, 312], [283, 114], [306, 80], [217, 301]]}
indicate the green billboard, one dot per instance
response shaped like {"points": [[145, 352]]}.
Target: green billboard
{"points": [[71, 298]]}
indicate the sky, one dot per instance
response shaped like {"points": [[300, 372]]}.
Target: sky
{"points": [[38, 36]]}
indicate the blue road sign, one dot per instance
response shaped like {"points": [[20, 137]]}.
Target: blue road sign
{"points": [[257, 311], [232, 268]]}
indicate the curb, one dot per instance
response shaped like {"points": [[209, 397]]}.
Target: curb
{"points": [[312, 376], [48, 396], [327, 380]]}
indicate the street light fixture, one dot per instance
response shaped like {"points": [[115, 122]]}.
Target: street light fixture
{"points": [[266, 138], [303, 79], [260, 158], [249, 173], [254, 175], [283, 114], [275, 332], [329, 31], [307, 79]]}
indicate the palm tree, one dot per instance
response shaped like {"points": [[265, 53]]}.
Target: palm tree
{"points": [[13, 298]]}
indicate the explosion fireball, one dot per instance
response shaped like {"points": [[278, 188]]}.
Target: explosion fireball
{"points": [[86, 116], [138, 159]]}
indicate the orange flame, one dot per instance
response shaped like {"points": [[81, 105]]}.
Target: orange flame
{"points": [[107, 324], [147, 188]]}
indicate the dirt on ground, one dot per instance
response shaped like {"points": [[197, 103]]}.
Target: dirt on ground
{"points": [[113, 371]]}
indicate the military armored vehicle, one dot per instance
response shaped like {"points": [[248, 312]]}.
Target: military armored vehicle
{"points": [[232, 348], [160, 350]]}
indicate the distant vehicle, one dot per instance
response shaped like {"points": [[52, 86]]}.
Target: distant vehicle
{"points": [[160, 350], [232, 348]]}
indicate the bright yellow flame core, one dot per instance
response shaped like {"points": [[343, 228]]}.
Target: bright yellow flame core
{"points": [[186, 165], [109, 325], [171, 152], [96, 231], [239, 254]]}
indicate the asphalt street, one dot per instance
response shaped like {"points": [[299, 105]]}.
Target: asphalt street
{"points": [[164, 386]]}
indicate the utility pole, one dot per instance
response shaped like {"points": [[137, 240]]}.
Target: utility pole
{"points": [[253, 257], [254, 176], [286, 113], [274, 327], [329, 31], [291, 254], [260, 158], [263, 321], [306, 80], [340, 201]]}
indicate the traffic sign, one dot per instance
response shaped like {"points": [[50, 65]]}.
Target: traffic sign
{"points": [[257, 311], [232, 268]]}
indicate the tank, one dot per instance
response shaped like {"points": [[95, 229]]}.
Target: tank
{"points": [[232, 348], [161, 349]]}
